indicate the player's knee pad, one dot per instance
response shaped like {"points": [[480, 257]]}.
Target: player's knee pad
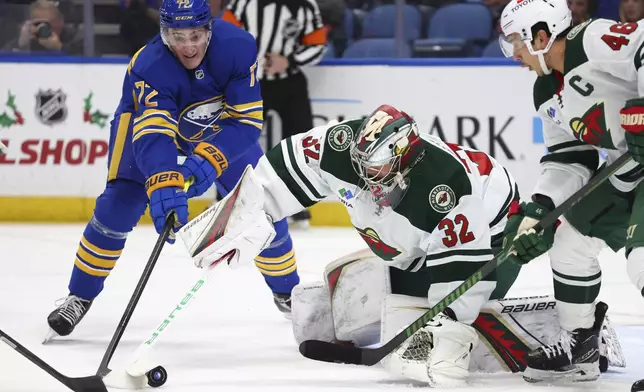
{"points": [[121, 205], [348, 306], [635, 268], [281, 233], [574, 253]]}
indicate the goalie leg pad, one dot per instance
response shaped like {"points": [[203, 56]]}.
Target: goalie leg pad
{"points": [[347, 306], [527, 323], [357, 284], [311, 313]]}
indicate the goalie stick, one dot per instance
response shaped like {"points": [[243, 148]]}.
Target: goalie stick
{"points": [[218, 215], [330, 352], [78, 384]]}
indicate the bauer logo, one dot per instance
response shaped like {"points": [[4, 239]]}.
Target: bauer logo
{"points": [[51, 106]]}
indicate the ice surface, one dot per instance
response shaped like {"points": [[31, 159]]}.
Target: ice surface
{"points": [[232, 338]]}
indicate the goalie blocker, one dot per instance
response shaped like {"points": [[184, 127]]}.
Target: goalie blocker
{"points": [[355, 305]]}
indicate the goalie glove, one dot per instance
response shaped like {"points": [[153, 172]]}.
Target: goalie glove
{"points": [[236, 229], [632, 119]]}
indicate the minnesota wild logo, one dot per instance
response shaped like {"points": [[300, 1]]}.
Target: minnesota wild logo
{"points": [[591, 127], [95, 117], [378, 247], [12, 116]]}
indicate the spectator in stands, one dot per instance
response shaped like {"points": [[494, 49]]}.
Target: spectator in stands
{"points": [[608, 9], [140, 22], [332, 12], [45, 31], [631, 10], [582, 10], [496, 7]]}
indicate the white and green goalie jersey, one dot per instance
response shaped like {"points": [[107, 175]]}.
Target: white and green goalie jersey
{"points": [[455, 206], [581, 108]]}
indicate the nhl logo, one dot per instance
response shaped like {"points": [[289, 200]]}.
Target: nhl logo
{"points": [[50, 106], [291, 28], [442, 198]]}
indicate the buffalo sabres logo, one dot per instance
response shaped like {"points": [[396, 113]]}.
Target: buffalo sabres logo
{"points": [[197, 121], [442, 198]]}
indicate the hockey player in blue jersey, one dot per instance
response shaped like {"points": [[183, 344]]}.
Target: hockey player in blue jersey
{"points": [[192, 90]]}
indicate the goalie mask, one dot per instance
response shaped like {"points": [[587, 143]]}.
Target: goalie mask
{"points": [[519, 21], [383, 153]]}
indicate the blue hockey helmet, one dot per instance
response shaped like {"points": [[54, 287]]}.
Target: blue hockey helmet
{"points": [[182, 14]]}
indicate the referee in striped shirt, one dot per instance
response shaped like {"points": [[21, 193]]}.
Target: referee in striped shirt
{"points": [[290, 35]]}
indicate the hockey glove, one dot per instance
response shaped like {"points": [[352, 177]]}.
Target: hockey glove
{"points": [[632, 118], [519, 234], [167, 196], [205, 164]]}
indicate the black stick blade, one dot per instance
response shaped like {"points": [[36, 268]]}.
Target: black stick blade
{"points": [[330, 352], [87, 384]]}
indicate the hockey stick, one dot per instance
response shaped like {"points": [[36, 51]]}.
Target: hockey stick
{"points": [[103, 368], [139, 363], [219, 215], [331, 352], [79, 384]]}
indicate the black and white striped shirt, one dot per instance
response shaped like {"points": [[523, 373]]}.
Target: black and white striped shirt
{"points": [[291, 28]]}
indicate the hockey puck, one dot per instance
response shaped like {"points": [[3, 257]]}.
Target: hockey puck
{"points": [[638, 386], [157, 376]]}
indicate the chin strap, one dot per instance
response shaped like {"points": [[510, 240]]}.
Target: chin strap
{"points": [[542, 64]]}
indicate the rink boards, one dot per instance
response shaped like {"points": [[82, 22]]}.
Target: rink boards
{"points": [[55, 115]]}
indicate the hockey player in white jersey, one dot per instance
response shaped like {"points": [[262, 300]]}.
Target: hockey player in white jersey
{"points": [[434, 212], [431, 213], [589, 94]]}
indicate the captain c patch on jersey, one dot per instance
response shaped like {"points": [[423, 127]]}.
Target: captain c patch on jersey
{"points": [[442, 198]]}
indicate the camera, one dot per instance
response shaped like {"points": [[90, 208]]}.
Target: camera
{"points": [[43, 30]]}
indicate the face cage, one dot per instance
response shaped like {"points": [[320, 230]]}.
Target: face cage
{"points": [[373, 173]]}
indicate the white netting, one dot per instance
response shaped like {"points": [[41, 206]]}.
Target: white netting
{"points": [[419, 346]]}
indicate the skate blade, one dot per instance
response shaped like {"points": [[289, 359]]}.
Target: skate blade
{"points": [[534, 376], [51, 335]]}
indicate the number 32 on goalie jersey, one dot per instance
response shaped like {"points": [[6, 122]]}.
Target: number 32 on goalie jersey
{"points": [[456, 231]]}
